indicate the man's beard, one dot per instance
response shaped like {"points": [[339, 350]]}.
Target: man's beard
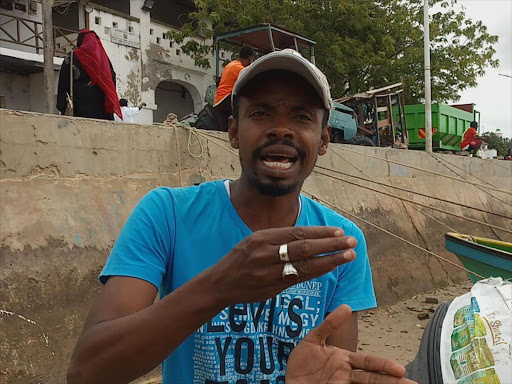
{"points": [[273, 188]]}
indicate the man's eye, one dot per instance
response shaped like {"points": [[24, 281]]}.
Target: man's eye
{"points": [[258, 114], [303, 117]]}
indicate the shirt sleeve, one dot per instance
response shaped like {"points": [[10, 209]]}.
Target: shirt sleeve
{"points": [[145, 245], [355, 284]]}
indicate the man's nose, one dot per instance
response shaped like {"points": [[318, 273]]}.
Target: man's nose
{"points": [[281, 129]]}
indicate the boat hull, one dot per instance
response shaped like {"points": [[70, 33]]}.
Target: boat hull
{"points": [[488, 260]]}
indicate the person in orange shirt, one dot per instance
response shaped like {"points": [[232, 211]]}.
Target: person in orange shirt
{"points": [[222, 101], [471, 141]]}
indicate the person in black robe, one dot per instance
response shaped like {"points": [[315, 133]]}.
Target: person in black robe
{"points": [[88, 99]]}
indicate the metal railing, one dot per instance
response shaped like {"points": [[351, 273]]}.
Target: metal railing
{"points": [[64, 40], [29, 33]]}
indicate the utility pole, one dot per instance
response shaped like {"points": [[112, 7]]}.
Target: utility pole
{"points": [[49, 78], [428, 95]]}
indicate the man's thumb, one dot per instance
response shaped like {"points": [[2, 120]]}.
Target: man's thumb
{"points": [[330, 325]]}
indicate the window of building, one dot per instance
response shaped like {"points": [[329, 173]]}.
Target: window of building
{"points": [[20, 6], [97, 20], [116, 5], [66, 16], [130, 28], [114, 24], [174, 13], [6, 4], [178, 52], [32, 8], [151, 31], [158, 40]]}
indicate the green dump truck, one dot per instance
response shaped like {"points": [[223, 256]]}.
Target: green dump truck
{"points": [[448, 125]]}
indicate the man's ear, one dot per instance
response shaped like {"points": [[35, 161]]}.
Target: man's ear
{"points": [[233, 132], [324, 140]]}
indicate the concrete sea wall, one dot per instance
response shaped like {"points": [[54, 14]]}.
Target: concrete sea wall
{"points": [[67, 185]]}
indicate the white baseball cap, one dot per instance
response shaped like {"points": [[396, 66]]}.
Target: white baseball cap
{"points": [[289, 60]]}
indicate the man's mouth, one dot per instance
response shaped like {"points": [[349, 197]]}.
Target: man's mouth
{"points": [[279, 161]]}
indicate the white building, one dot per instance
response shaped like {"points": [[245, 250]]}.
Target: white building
{"points": [[148, 66]]}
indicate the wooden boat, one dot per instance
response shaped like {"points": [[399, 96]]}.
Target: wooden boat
{"points": [[487, 257]]}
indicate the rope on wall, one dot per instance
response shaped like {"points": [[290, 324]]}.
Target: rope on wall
{"points": [[415, 192], [482, 189], [428, 171], [339, 209], [443, 259], [416, 203], [410, 205]]}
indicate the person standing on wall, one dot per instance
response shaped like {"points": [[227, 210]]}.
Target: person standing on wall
{"points": [[222, 101], [92, 92], [128, 112]]}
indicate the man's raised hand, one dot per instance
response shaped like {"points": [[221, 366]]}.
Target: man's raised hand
{"points": [[252, 270]]}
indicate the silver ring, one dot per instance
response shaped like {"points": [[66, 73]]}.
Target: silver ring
{"points": [[289, 271], [283, 253]]}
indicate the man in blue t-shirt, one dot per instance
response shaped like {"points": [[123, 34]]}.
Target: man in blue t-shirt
{"points": [[246, 269]]}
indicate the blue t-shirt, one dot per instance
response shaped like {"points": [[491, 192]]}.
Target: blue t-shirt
{"points": [[175, 233]]}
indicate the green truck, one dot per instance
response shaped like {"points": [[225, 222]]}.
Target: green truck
{"points": [[448, 125]]}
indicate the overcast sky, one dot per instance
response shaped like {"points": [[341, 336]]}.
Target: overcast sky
{"points": [[493, 95]]}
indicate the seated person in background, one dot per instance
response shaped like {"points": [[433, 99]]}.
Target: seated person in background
{"points": [[128, 112], [222, 101], [471, 141]]}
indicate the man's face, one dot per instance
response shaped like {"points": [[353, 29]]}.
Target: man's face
{"points": [[279, 132]]}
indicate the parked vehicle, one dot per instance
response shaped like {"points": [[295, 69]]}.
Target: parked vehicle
{"points": [[377, 124], [343, 122], [448, 125]]}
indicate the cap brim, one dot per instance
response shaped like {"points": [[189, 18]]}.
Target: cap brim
{"points": [[288, 62]]}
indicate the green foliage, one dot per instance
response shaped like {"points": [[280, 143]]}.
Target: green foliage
{"points": [[501, 144], [362, 44]]}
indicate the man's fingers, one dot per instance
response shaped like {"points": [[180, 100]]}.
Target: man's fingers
{"points": [[305, 249], [318, 266], [371, 363], [330, 324], [278, 236], [361, 377]]}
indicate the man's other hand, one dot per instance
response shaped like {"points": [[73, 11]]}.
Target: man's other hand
{"points": [[313, 361]]}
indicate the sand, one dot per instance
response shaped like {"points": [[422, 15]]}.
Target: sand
{"points": [[395, 331]]}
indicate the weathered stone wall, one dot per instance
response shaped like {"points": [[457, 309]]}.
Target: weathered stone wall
{"points": [[67, 185]]}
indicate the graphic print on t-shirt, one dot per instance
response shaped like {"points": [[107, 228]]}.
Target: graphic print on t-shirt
{"points": [[250, 343]]}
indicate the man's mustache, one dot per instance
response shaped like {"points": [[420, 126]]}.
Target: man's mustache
{"points": [[274, 141]]}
